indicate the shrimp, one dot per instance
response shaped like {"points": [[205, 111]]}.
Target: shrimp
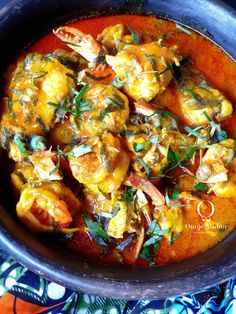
{"points": [[110, 109], [197, 97], [37, 80], [105, 164], [144, 69], [121, 215], [115, 37], [217, 168], [47, 208], [82, 43]]}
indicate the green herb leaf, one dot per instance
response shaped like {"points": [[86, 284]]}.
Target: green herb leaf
{"points": [[81, 150], [152, 240], [125, 243], [231, 156], [97, 232], [171, 204], [146, 253], [128, 195], [105, 159], [200, 186], [175, 195], [20, 144], [173, 158], [146, 168], [174, 237], [134, 35], [194, 132], [115, 105], [118, 82], [115, 211], [189, 155], [37, 75], [183, 29], [151, 59]]}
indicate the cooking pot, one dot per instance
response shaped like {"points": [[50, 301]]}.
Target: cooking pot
{"points": [[26, 20]]}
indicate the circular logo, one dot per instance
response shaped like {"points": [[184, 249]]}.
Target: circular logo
{"points": [[200, 207]]}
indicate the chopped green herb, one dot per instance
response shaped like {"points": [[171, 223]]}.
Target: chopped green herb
{"points": [[145, 167], [81, 150], [153, 139], [200, 186], [128, 195], [60, 154], [146, 253], [138, 147], [118, 82], [17, 91], [115, 211], [174, 237], [80, 106], [114, 105], [173, 158], [175, 195], [189, 155], [152, 243], [183, 29], [134, 35], [105, 159], [171, 204], [97, 232], [152, 61], [217, 135], [231, 156], [20, 144], [40, 121], [194, 132], [37, 75], [125, 243]]}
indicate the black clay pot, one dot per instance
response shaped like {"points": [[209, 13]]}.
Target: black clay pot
{"points": [[24, 20]]}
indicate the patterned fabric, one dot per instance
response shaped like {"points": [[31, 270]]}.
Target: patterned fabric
{"points": [[23, 292]]}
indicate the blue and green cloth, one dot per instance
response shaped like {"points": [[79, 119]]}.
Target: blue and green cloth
{"points": [[23, 286]]}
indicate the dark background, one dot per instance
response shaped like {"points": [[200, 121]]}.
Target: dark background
{"points": [[230, 2]]}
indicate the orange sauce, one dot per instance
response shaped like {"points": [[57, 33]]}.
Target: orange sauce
{"points": [[220, 71]]}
